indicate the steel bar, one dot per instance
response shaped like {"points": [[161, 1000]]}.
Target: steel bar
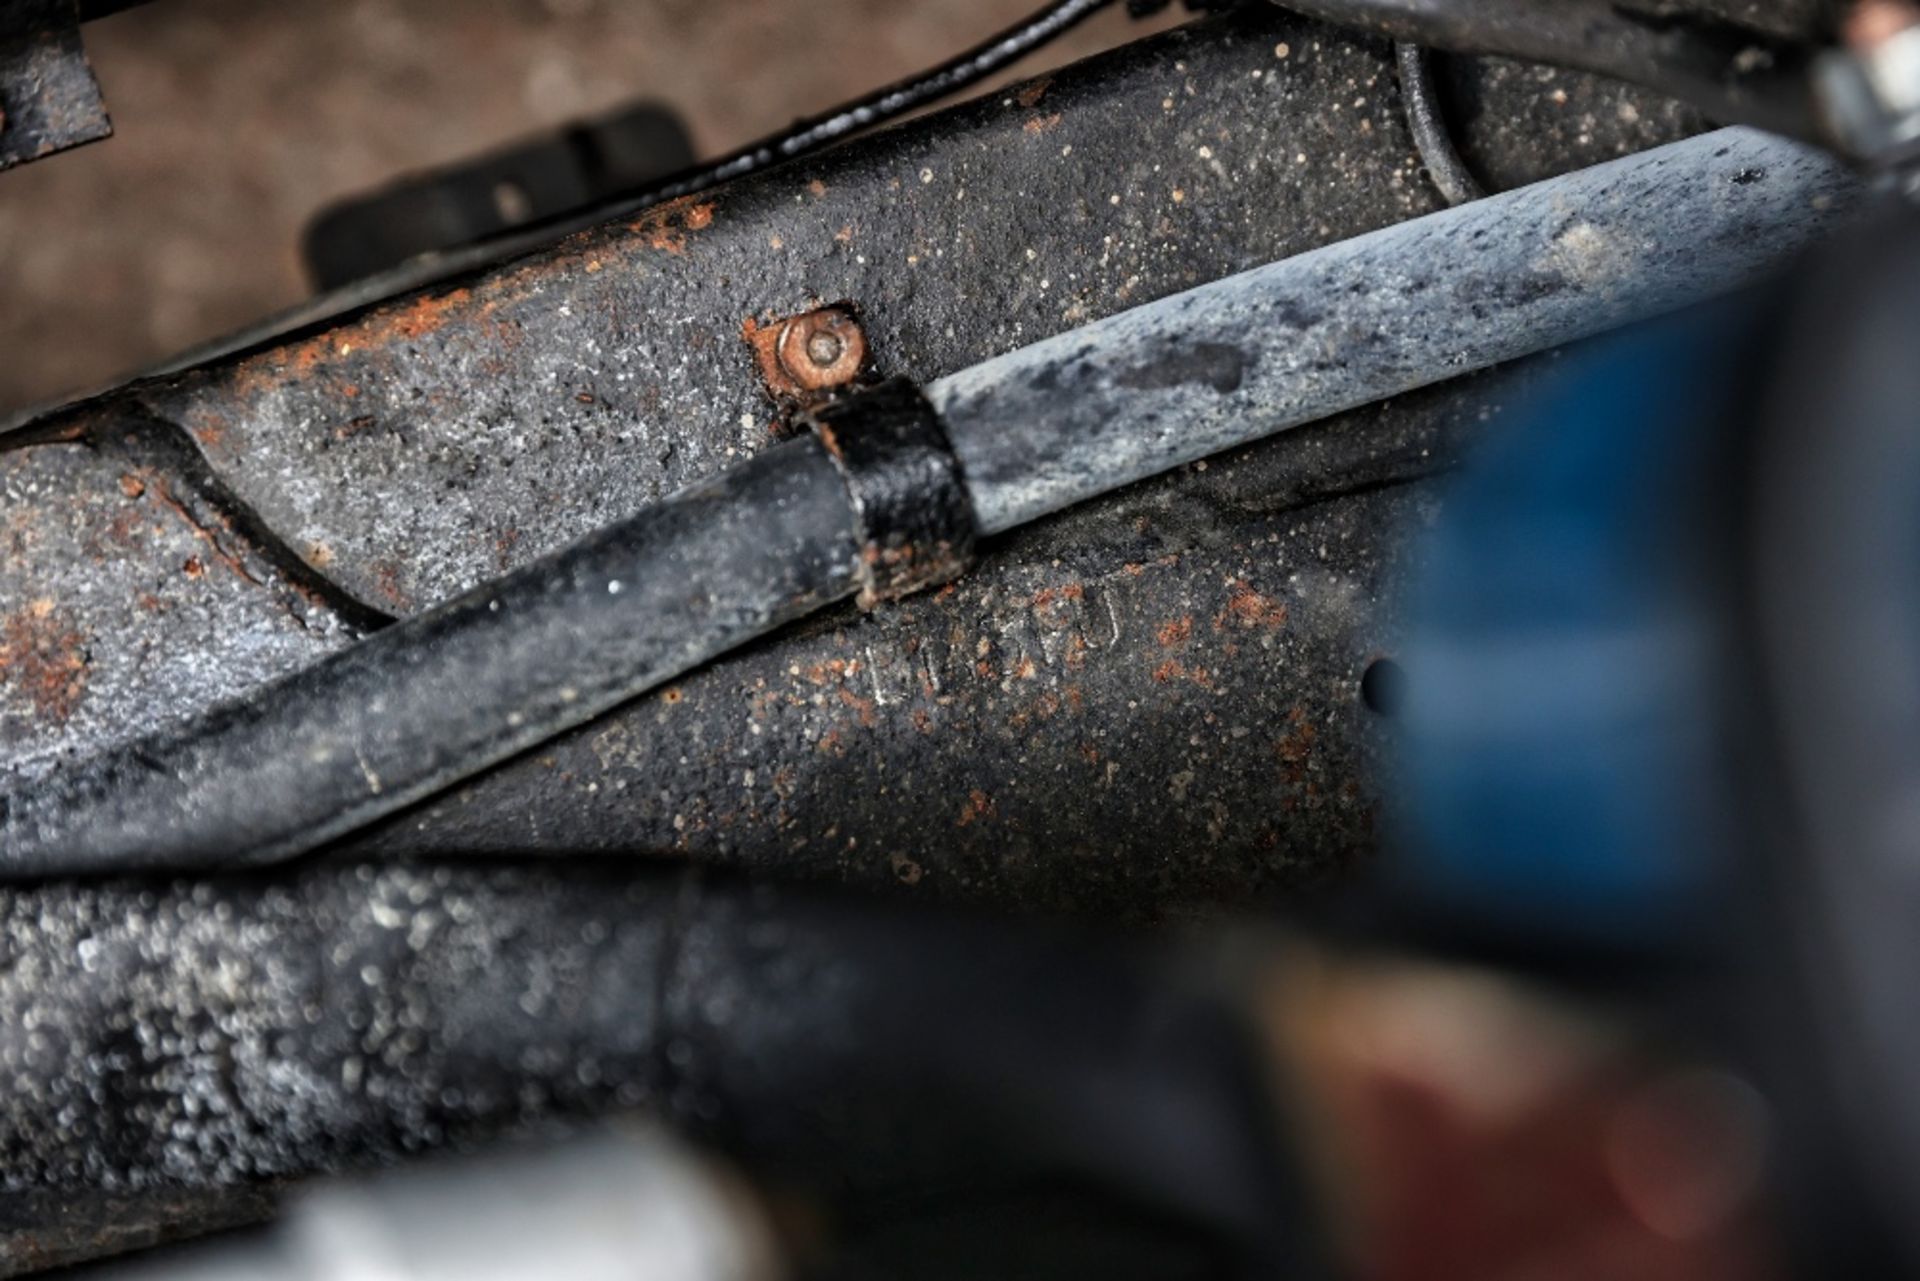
{"points": [[408, 455], [1052, 424], [189, 1047]]}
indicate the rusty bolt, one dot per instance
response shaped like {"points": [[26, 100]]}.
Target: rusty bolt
{"points": [[822, 350]]}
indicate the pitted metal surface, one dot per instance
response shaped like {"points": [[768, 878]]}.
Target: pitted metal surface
{"points": [[444, 439], [122, 582], [164, 1041]]}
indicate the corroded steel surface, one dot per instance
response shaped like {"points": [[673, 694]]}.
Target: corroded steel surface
{"points": [[1149, 701], [967, 744]]}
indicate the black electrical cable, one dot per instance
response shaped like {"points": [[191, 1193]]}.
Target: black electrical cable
{"points": [[1733, 73], [1448, 172], [890, 103], [812, 133]]}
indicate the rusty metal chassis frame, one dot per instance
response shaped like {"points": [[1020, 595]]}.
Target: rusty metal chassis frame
{"points": [[1142, 707]]}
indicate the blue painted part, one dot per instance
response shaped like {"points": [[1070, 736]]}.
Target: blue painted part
{"points": [[1560, 760]]}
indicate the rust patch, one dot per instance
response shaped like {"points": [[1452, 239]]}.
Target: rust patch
{"points": [[132, 486], [666, 227], [978, 806], [386, 578], [417, 319], [1295, 747], [1048, 595], [503, 547], [808, 358], [1174, 670], [1177, 632], [124, 528], [1248, 609], [1030, 94], [1037, 125], [44, 656], [206, 534], [862, 707], [377, 333]]}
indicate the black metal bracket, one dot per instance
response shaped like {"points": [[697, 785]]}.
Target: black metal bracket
{"points": [[916, 521], [49, 100]]}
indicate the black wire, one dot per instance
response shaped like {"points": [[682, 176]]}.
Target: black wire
{"points": [[803, 137], [808, 135], [1448, 172]]}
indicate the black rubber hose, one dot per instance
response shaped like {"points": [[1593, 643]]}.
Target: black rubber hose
{"points": [[1734, 74], [486, 675]]}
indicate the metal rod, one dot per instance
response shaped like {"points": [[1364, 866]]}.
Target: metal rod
{"points": [[1050, 425]]}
